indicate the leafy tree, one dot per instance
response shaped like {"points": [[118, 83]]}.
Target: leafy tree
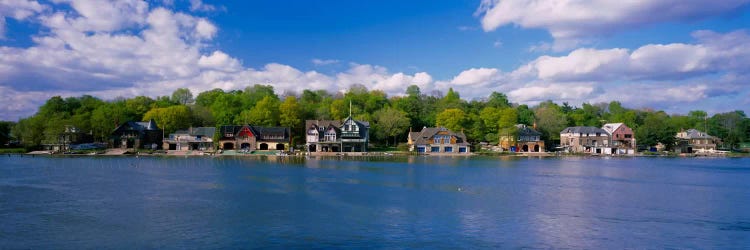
{"points": [[452, 100], [138, 106], [254, 94], [732, 127], [498, 100], [550, 121], [453, 119], [265, 113], [225, 107], [5, 127], [508, 118], [656, 129], [30, 131], [202, 116], [170, 119], [207, 98], [491, 117], [182, 96], [391, 122], [290, 113], [525, 115], [413, 90]]}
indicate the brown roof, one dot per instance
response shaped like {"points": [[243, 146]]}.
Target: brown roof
{"points": [[423, 136]]}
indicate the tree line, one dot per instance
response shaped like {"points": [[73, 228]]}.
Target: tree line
{"points": [[391, 118]]}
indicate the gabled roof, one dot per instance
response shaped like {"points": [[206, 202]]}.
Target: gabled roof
{"points": [[325, 124], [611, 127], [583, 130], [321, 123], [524, 130], [423, 136], [202, 131], [696, 134], [138, 126]]}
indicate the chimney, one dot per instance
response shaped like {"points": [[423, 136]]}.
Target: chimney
{"points": [[534, 125]]}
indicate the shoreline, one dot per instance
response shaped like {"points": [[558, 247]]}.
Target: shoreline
{"points": [[376, 155]]}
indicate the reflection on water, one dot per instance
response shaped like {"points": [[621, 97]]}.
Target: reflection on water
{"points": [[381, 202]]}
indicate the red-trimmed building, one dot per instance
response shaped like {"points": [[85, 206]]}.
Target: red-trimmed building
{"points": [[246, 137]]}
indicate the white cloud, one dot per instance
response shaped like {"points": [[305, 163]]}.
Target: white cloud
{"points": [[323, 62], [712, 54], [151, 50], [538, 92], [475, 76], [570, 21], [199, 5], [220, 61], [19, 10], [377, 77]]}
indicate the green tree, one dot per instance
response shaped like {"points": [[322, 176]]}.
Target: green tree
{"points": [[290, 113], [171, 118], [182, 96], [254, 94], [391, 122], [5, 127], [550, 121], [451, 100], [30, 131], [225, 108], [525, 115], [498, 100], [265, 113], [731, 127], [656, 128], [453, 119], [207, 98], [138, 106]]}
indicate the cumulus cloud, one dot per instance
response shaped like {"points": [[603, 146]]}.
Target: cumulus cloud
{"points": [[713, 53], [128, 48], [140, 49], [570, 21], [538, 92], [475, 76], [377, 77], [19, 10]]}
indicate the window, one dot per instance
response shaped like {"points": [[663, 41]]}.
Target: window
{"points": [[434, 149], [462, 150], [628, 136], [448, 149]]}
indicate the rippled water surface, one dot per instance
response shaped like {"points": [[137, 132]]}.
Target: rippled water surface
{"points": [[418, 202]]}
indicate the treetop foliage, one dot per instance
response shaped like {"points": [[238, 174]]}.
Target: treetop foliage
{"points": [[391, 117]]}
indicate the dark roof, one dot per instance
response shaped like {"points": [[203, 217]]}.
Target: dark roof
{"points": [[524, 130], [317, 124], [202, 131], [278, 134], [138, 126], [262, 133], [583, 130], [322, 123], [421, 137]]}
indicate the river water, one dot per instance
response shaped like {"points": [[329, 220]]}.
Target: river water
{"points": [[399, 202]]}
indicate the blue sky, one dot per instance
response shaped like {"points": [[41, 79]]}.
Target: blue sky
{"points": [[672, 55]]}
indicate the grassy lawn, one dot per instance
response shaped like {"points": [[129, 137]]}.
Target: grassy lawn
{"points": [[12, 150]]}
